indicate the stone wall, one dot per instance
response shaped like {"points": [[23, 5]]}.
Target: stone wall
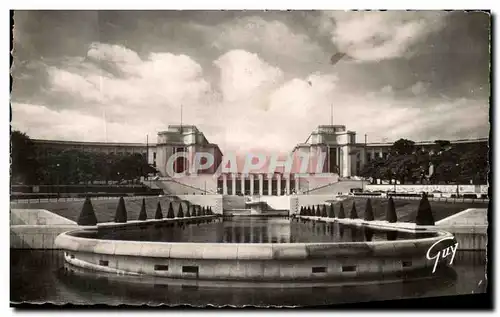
{"points": [[36, 228]]}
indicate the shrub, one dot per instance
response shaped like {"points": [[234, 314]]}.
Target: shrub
{"points": [[121, 211], [87, 215], [424, 213], [143, 215], [180, 213], [341, 211], [390, 214], [323, 212], [159, 214], [369, 210], [331, 212], [354, 213]]}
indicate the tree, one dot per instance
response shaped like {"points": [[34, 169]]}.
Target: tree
{"points": [[180, 213], [25, 168], [121, 211], [341, 211], [331, 212], [143, 215], [354, 213], [87, 215], [159, 214], [390, 214], [424, 213], [170, 212], [323, 212], [369, 211]]}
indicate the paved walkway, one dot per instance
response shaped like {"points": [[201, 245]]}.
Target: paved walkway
{"points": [[470, 217]]}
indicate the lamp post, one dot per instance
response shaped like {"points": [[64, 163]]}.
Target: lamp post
{"points": [[57, 183]]}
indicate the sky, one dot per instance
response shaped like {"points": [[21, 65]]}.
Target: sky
{"points": [[250, 79]]}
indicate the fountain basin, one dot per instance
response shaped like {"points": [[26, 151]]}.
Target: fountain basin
{"points": [[308, 261]]}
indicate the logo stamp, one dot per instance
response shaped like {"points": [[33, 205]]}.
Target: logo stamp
{"points": [[443, 253]]}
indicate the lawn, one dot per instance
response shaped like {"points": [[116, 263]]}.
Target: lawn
{"points": [[406, 210], [104, 209]]}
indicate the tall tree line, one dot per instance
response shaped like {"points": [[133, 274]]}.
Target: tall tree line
{"points": [[442, 163], [71, 166]]}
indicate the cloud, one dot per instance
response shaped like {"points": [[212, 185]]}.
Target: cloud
{"points": [[419, 88], [244, 75], [115, 94], [375, 36], [270, 37]]}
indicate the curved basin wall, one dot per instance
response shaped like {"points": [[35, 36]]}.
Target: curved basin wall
{"points": [[255, 262]]}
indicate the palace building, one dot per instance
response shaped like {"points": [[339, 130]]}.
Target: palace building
{"points": [[343, 157]]}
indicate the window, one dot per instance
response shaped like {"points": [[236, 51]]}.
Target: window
{"points": [[103, 262], [319, 269], [190, 269], [161, 267], [348, 268]]}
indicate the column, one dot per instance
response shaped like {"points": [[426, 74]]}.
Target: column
{"points": [[224, 184], [278, 183], [270, 183], [251, 184], [261, 185], [288, 185], [297, 184], [234, 184], [243, 176]]}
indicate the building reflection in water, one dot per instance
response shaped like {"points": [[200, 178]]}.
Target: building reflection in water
{"points": [[260, 230], [257, 231]]}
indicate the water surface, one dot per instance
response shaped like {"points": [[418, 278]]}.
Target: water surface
{"points": [[262, 230]]}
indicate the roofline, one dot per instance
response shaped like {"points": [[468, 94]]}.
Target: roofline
{"points": [[427, 142], [94, 143]]}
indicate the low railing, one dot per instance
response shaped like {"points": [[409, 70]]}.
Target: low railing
{"points": [[66, 199], [442, 199]]}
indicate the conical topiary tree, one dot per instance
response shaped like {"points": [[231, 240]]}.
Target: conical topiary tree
{"points": [[369, 211], [341, 211], [323, 212], [210, 212], [424, 213], [121, 211], [188, 213], [310, 211], [390, 214], [87, 215], [180, 213], [318, 211], [143, 215], [158, 213], [354, 212], [331, 212], [170, 212]]}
